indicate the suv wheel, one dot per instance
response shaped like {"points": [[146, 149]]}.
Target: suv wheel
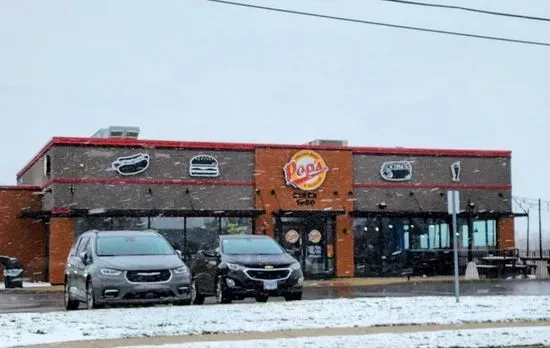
{"points": [[262, 298], [70, 304], [221, 293], [293, 296], [90, 296]]}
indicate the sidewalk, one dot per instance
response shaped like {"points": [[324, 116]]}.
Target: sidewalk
{"points": [[285, 334], [335, 282]]}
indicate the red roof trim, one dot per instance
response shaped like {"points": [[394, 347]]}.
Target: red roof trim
{"points": [[36, 158], [79, 141], [503, 187], [125, 181], [20, 188]]}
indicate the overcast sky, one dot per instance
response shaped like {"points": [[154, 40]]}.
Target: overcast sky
{"points": [[197, 70]]}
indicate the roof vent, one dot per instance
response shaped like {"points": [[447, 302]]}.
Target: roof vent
{"points": [[117, 132], [327, 142]]}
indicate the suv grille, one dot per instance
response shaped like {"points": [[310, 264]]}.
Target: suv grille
{"points": [[275, 274], [262, 265], [148, 276]]}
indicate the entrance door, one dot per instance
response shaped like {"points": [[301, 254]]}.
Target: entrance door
{"points": [[311, 241]]}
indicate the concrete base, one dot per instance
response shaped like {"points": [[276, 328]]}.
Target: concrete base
{"points": [[542, 270], [471, 271]]}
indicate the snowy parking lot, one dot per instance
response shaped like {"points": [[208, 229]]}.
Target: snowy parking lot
{"points": [[35, 328]]}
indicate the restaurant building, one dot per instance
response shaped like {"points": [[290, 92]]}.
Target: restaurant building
{"points": [[344, 211]]}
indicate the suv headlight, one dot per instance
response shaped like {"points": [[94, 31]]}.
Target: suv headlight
{"points": [[234, 267], [181, 270], [295, 266], [110, 272]]}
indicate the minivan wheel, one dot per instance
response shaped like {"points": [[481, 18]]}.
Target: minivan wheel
{"points": [[90, 296], [197, 297], [221, 294], [70, 304]]}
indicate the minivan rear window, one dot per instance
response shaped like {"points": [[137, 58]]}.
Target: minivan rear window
{"points": [[132, 246]]}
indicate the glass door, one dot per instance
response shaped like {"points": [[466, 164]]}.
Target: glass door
{"points": [[310, 240]]}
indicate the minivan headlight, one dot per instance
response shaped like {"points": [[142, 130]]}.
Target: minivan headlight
{"points": [[295, 266], [181, 270], [234, 266], [110, 272]]}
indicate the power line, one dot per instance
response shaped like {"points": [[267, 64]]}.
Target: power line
{"points": [[436, 31], [470, 9]]}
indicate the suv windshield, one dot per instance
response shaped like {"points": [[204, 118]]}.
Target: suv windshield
{"points": [[132, 245], [250, 246]]}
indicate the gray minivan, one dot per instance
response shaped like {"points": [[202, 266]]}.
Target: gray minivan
{"points": [[124, 267]]}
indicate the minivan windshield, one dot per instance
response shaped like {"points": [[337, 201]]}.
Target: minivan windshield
{"points": [[251, 246], [132, 246]]}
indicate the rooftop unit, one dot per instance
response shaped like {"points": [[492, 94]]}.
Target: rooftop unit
{"points": [[327, 142], [117, 132]]}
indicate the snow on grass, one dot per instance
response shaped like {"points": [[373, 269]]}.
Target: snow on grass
{"points": [[500, 337], [33, 328], [29, 285]]}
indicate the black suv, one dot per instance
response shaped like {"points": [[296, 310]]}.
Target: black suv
{"points": [[243, 266]]}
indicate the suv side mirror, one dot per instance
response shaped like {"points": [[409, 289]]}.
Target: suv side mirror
{"points": [[180, 255]]}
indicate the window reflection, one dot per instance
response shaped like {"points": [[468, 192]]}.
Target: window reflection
{"points": [[236, 225], [189, 234], [172, 228]]}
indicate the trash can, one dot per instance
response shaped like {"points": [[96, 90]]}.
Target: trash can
{"points": [[13, 272]]}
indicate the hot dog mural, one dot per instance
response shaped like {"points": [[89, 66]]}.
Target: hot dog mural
{"points": [[131, 165]]}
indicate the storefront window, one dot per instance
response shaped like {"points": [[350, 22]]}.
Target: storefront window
{"points": [[172, 228], [109, 224], [202, 233], [236, 225]]}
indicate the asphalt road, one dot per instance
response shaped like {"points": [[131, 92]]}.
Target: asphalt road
{"points": [[14, 301]]}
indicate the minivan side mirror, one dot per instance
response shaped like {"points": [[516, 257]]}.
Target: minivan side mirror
{"points": [[180, 255], [84, 257]]}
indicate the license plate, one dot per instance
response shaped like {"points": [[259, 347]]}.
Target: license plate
{"points": [[270, 284]]}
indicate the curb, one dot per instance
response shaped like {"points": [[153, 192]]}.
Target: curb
{"points": [[213, 337]]}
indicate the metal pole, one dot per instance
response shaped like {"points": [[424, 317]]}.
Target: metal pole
{"points": [[455, 247], [540, 231], [527, 232]]}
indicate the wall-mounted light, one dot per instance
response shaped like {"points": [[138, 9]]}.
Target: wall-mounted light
{"points": [[350, 193], [187, 191], [71, 189], [149, 191], [257, 191], [382, 205], [471, 204], [345, 230], [335, 193], [272, 192], [411, 193], [500, 194]]}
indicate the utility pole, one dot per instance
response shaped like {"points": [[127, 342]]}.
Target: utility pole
{"points": [[540, 230], [527, 232]]}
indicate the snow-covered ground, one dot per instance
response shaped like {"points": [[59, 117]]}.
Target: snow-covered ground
{"points": [[29, 285], [33, 328], [500, 337]]}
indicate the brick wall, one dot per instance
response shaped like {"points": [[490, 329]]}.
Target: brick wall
{"points": [[61, 240], [22, 238], [273, 194], [506, 234]]}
